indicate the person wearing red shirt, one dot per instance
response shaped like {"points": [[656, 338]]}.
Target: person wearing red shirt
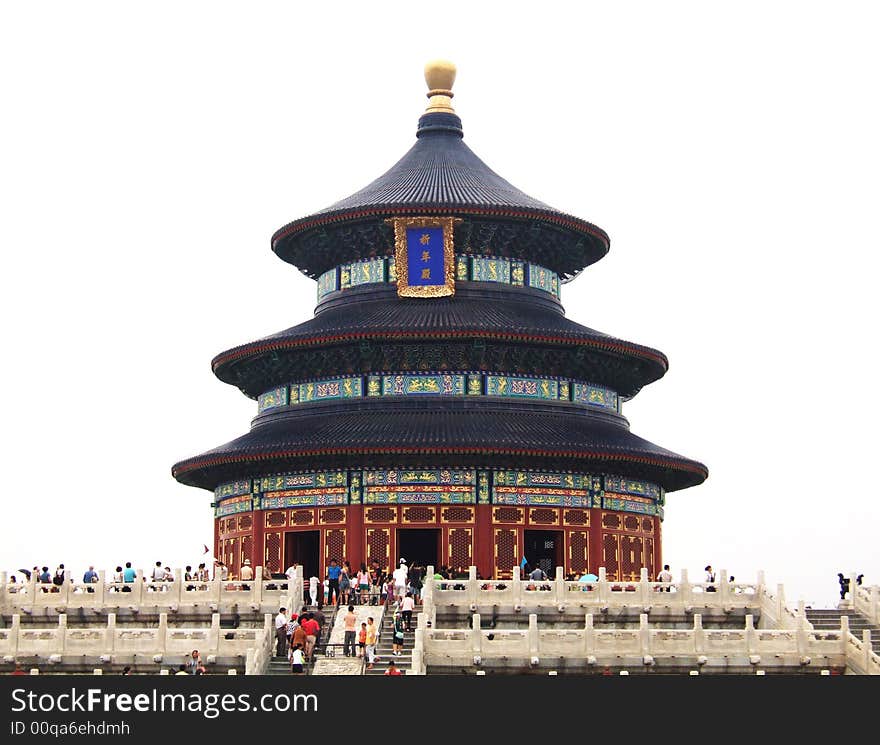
{"points": [[311, 627], [392, 669]]}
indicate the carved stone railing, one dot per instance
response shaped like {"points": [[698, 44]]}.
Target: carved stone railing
{"points": [[258, 657], [866, 601], [713, 649], [524, 595], [257, 596], [59, 644]]}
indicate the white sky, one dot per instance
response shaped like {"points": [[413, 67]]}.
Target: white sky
{"points": [[148, 152]]}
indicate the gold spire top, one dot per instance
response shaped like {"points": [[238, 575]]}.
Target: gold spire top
{"points": [[440, 76]]}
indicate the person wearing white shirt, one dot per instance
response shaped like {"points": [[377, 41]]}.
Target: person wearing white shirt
{"points": [[400, 576], [313, 590], [665, 576], [281, 632]]}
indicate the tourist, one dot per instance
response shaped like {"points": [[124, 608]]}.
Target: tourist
{"points": [[313, 594], [58, 578], [246, 574], [407, 605], [371, 639], [332, 593], [188, 574], [202, 574], [129, 575], [350, 621], [710, 578], [296, 659], [290, 572], [363, 581], [401, 574], [325, 592], [392, 669], [344, 586], [181, 669], [362, 640], [158, 572], [538, 575], [299, 634], [665, 576], [13, 586], [223, 569], [320, 619], [195, 663], [90, 576], [397, 640], [415, 582], [126, 670], [18, 670], [387, 591], [45, 579], [280, 632], [312, 629], [168, 575]]}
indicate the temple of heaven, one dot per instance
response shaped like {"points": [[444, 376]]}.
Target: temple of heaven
{"points": [[440, 407]]}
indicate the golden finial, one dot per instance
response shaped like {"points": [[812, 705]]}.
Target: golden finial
{"points": [[440, 76]]}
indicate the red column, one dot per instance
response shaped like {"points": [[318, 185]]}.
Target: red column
{"points": [[484, 540], [595, 540], [257, 531], [354, 536]]}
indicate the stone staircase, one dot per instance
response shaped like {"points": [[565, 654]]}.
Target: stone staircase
{"points": [[280, 665], [829, 619], [385, 650]]}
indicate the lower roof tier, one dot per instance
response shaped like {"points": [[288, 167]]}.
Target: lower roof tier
{"points": [[476, 329], [378, 433]]}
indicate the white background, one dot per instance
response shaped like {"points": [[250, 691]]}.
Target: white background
{"points": [[149, 151]]}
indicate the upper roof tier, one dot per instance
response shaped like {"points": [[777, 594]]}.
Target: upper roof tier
{"points": [[442, 175]]}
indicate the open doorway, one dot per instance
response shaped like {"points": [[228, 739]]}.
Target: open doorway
{"points": [[303, 547], [543, 548], [419, 546]]}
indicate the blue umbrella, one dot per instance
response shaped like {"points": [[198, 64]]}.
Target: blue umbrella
{"points": [[589, 578]]}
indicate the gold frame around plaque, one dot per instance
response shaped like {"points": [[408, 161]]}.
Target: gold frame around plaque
{"points": [[401, 260]]}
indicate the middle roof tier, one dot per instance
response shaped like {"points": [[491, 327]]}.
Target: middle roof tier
{"points": [[482, 327]]}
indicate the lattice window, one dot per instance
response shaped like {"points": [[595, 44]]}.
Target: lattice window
{"points": [[457, 515], [334, 545], [230, 524], [276, 519], [544, 516], [578, 551], [647, 525], [649, 558], [631, 523], [247, 548], [610, 551], [460, 547], [505, 552], [380, 515], [231, 558], [630, 556], [418, 514], [576, 517], [508, 515], [273, 552], [610, 520], [333, 515], [221, 527], [379, 546], [245, 522], [302, 517]]}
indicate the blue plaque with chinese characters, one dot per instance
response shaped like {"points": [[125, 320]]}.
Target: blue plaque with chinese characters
{"points": [[424, 256]]}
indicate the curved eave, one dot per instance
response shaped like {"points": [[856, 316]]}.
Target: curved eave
{"points": [[492, 436], [284, 239]]}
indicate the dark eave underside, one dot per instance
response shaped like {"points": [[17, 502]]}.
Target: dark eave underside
{"points": [[496, 434], [466, 317]]}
